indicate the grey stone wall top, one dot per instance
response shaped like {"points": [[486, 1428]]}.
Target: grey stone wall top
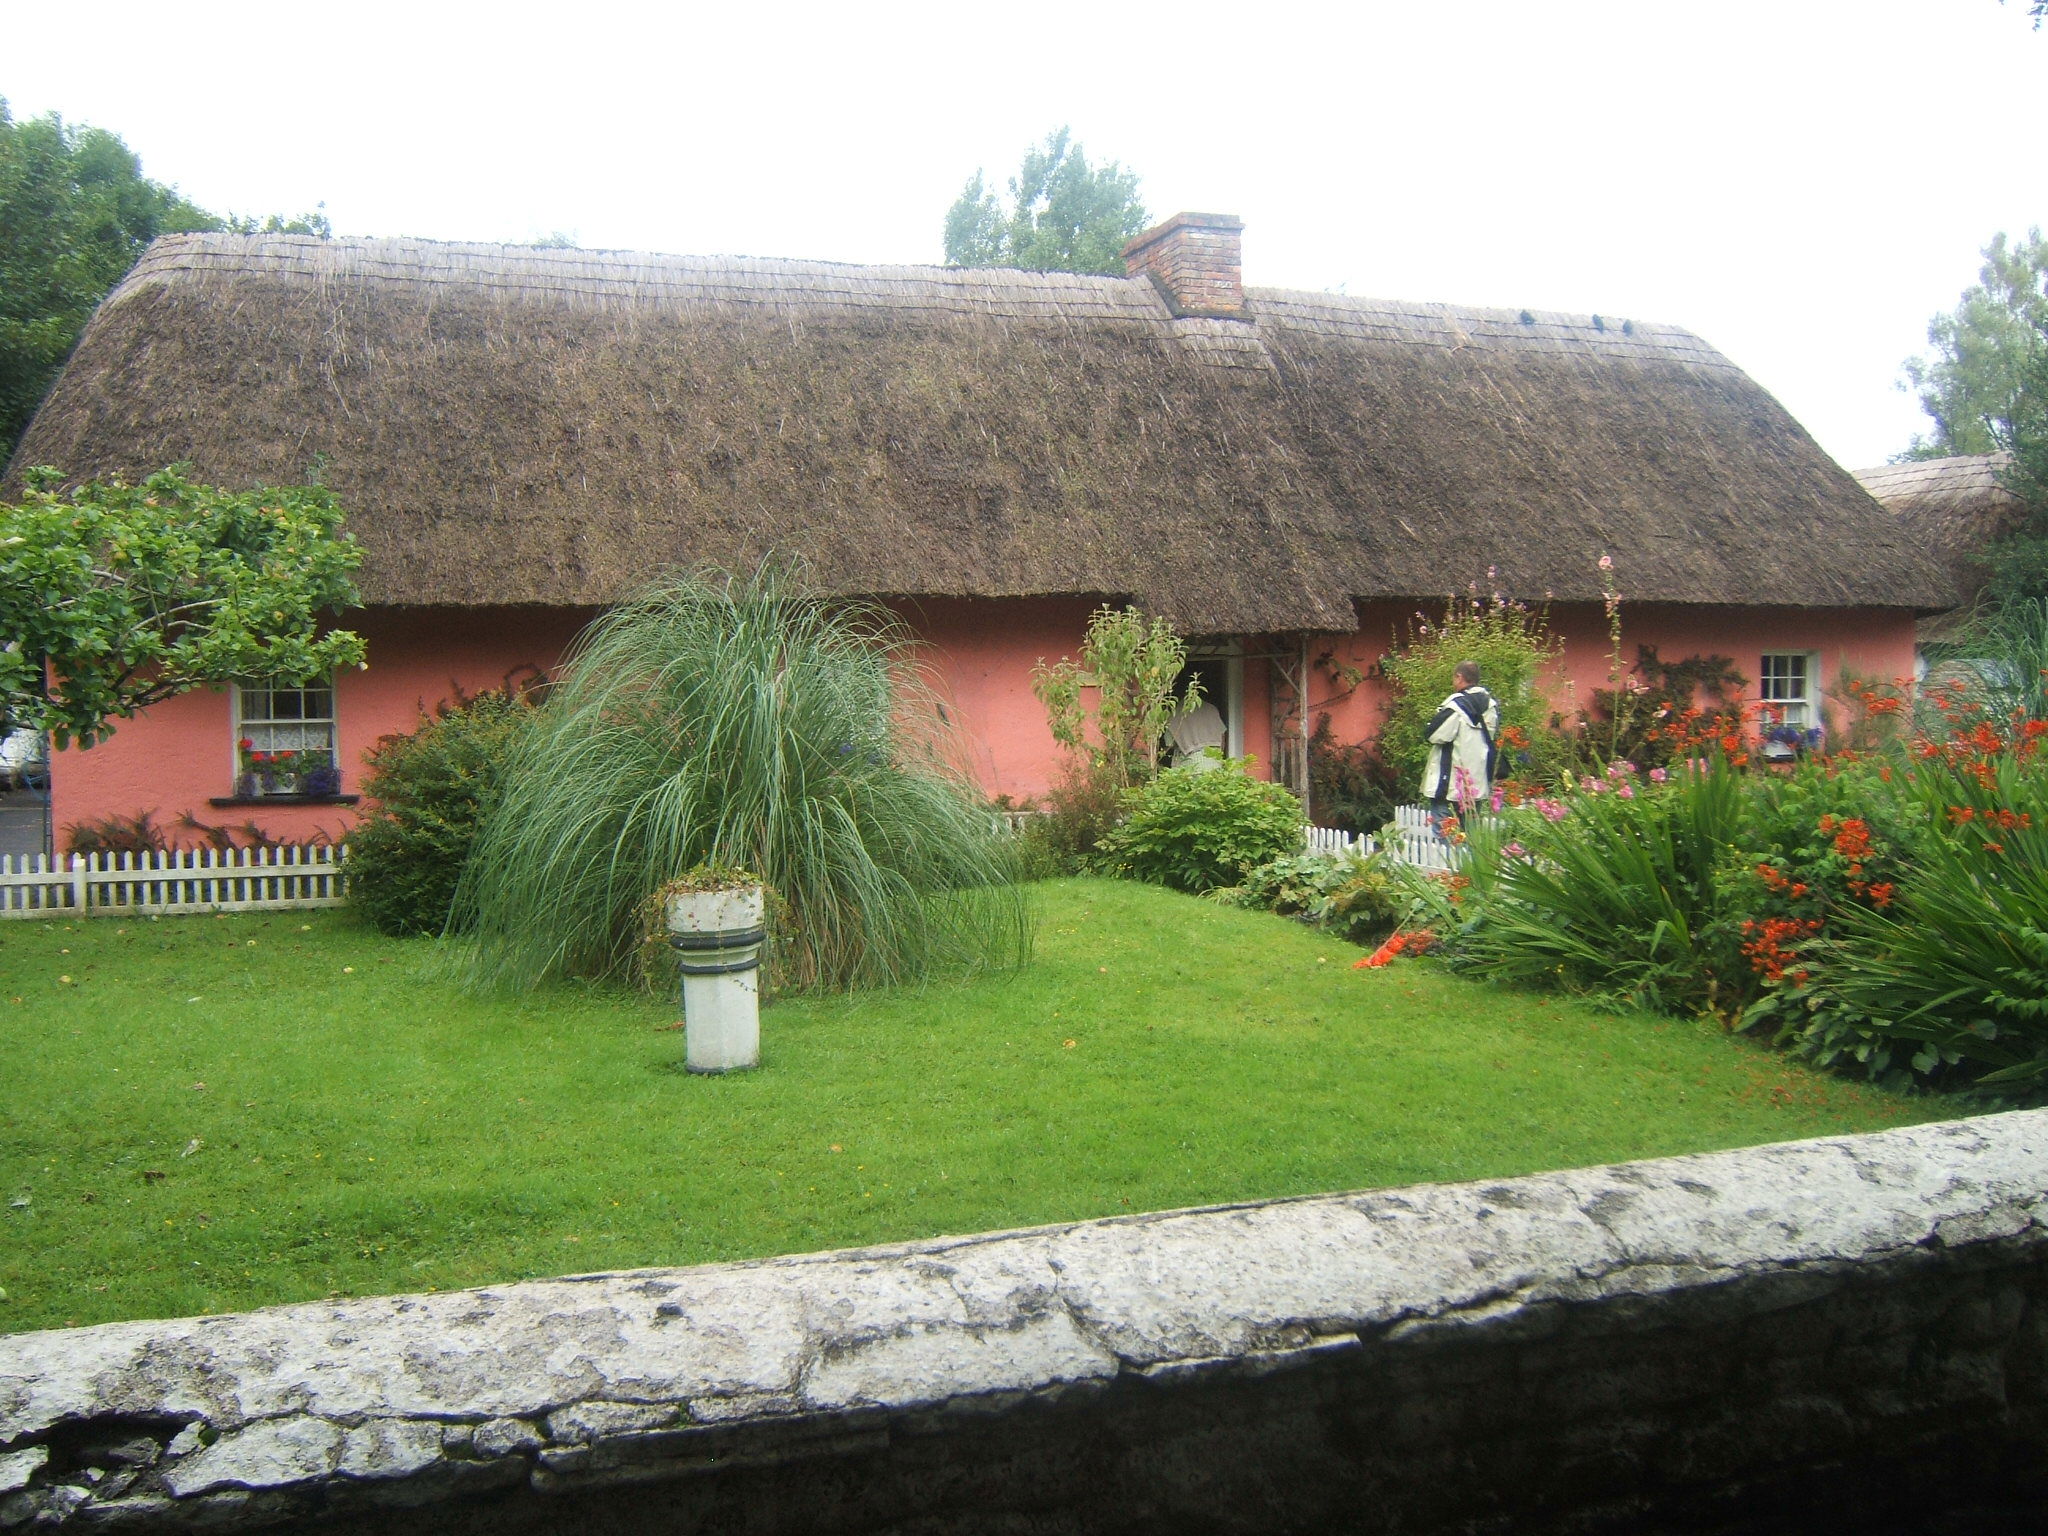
{"points": [[228, 1419]]}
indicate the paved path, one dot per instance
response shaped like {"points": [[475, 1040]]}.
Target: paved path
{"points": [[21, 821]]}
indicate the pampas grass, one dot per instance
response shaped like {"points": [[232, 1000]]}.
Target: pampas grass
{"points": [[751, 722]]}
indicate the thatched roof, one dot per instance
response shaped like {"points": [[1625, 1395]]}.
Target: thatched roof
{"points": [[1956, 507], [509, 425]]}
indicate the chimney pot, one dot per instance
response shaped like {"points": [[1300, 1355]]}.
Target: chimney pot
{"points": [[1196, 261]]}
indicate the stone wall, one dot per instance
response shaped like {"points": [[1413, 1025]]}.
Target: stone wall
{"points": [[1845, 1335]]}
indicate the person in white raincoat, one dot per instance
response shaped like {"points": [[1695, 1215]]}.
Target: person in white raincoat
{"points": [[1459, 768]]}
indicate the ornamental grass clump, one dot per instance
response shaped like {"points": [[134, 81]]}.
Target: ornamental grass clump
{"points": [[743, 721], [1612, 890]]}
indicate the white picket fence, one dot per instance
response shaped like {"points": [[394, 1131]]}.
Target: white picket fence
{"points": [[187, 880], [1413, 841]]}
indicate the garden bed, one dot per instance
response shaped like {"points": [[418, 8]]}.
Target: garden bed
{"points": [[212, 1113]]}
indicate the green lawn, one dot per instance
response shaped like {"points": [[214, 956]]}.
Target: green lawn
{"points": [[204, 1114]]}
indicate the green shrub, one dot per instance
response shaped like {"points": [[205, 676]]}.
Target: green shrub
{"points": [[1196, 829], [749, 721], [432, 786], [1356, 897], [1064, 838]]}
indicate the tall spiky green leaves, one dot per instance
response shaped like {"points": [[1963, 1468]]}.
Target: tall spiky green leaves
{"points": [[752, 722]]}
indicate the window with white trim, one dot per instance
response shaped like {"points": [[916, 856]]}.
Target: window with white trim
{"points": [[1785, 684], [283, 733]]}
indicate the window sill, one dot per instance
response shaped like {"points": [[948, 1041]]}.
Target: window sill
{"points": [[219, 801]]}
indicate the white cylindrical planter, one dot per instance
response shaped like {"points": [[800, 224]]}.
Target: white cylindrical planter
{"points": [[718, 935]]}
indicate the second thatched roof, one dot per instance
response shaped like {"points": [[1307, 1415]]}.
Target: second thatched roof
{"points": [[1956, 508], [509, 425]]}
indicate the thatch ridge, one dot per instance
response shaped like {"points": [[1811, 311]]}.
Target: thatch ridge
{"points": [[518, 425]]}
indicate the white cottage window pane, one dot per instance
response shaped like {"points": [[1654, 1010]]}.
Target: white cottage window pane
{"points": [[274, 717], [1785, 680]]}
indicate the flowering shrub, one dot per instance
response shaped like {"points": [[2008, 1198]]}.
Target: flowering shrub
{"points": [[1884, 911], [1512, 645], [1817, 843], [1954, 959]]}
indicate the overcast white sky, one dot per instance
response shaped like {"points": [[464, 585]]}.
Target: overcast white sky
{"points": [[1801, 182]]}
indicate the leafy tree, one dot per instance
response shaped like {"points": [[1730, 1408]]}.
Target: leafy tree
{"points": [[75, 213], [1981, 349], [2018, 563], [1132, 663], [116, 596], [1064, 215]]}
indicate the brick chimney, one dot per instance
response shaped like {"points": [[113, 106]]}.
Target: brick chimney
{"points": [[1196, 261]]}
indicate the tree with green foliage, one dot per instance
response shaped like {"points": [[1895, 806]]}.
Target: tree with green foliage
{"points": [[1132, 663], [2018, 562], [114, 597], [75, 213], [1064, 215], [1971, 381]]}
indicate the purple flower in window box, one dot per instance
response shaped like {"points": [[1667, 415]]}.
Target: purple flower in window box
{"points": [[1785, 740], [323, 780]]}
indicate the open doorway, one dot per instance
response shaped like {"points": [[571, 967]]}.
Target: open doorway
{"points": [[1218, 665]]}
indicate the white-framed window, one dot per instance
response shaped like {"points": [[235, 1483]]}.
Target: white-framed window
{"points": [[284, 732], [1787, 685]]}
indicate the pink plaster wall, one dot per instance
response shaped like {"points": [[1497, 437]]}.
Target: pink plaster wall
{"points": [[179, 755], [1873, 641], [172, 759], [982, 653]]}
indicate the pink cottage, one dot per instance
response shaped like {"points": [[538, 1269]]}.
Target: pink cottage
{"points": [[521, 436]]}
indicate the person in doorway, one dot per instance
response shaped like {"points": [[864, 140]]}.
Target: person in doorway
{"points": [[1459, 768]]}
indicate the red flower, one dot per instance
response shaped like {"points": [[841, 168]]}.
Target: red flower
{"points": [[1399, 944], [246, 743]]}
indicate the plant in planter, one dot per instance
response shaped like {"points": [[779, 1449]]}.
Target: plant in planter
{"points": [[1783, 741], [295, 771]]}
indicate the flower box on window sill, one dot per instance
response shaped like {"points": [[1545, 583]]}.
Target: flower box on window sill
{"points": [[262, 799]]}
